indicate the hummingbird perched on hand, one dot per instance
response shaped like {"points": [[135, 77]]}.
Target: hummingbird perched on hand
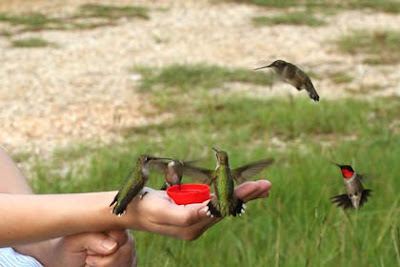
{"points": [[356, 195], [222, 178], [133, 184], [173, 171], [291, 74]]}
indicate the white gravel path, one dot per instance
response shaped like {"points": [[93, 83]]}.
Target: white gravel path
{"points": [[83, 89]]}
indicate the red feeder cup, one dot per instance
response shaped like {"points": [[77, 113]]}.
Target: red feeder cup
{"points": [[189, 193]]}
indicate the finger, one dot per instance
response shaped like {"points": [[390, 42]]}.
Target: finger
{"points": [[199, 228], [98, 243], [262, 190], [124, 256], [120, 236], [180, 215], [184, 232], [252, 190]]}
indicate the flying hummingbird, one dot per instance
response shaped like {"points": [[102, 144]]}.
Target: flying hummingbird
{"points": [[133, 184], [356, 195], [294, 76], [222, 178]]}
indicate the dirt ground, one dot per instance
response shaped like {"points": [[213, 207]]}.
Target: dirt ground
{"points": [[83, 90]]}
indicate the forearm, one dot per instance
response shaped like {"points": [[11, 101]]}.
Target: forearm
{"points": [[11, 179], [28, 218]]}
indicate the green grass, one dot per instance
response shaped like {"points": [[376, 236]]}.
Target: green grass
{"points": [[190, 77], [364, 88], [173, 87], [292, 18], [32, 21], [104, 15], [114, 12], [380, 46], [377, 5], [32, 42], [297, 225]]}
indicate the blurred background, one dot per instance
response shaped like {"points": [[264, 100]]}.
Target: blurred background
{"points": [[86, 86]]}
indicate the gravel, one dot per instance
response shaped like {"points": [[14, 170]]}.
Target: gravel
{"points": [[82, 90]]}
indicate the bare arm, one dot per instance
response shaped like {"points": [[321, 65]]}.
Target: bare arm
{"points": [[30, 217], [39, 217], [11, 179]]}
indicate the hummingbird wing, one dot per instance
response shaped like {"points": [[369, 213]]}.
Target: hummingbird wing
{"points": [[203, 175], [247, 171], [360, 177], [120, 208], [342, 201], [159, 165], [364, 196]]}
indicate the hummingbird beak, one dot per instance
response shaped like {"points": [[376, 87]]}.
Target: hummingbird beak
{"points": [[158, 158], [268, 66], [334, 163], [179, 184], [216, 150]]}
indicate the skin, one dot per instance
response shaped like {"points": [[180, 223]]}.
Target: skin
{"points": [[69, 234], [109, 248]]}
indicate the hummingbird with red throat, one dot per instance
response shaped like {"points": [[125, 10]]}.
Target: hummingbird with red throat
{"points": [[355, 195]]}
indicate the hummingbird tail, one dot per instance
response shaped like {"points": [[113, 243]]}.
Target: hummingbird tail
{"points": [[238, 209], [213, 209], [119, 210], [311, 91]]}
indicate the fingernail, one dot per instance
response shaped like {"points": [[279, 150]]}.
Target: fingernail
{"points": [[108, 244], [90, 262], [206, 202]]}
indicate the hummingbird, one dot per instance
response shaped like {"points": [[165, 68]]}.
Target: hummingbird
{"points": [[173, 172], [291, 74], [133, 184], [356, 195], [225, 202]]}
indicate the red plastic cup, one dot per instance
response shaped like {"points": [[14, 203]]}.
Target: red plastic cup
{"points": [[189, 193]]}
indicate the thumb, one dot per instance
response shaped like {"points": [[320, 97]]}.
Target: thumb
{"points": [[95, 243]]}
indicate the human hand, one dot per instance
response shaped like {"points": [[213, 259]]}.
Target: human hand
{"points": [[157, 213], [125, 255], [111, 248]]}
